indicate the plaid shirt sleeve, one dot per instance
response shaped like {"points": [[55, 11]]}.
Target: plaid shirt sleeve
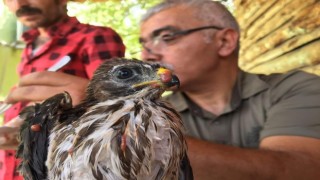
{"points": [[102, 45]]}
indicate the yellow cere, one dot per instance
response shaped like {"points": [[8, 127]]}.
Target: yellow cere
{"points": [[162, 70]]}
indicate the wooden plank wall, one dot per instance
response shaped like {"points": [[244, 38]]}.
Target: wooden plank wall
{"points": [[279, 35]]}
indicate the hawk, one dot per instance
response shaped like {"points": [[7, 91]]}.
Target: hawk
{"points": [[121, 130]]}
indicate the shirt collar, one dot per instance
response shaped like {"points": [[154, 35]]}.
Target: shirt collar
{"points": [[60, 28], [251, 84], [246, 86]]}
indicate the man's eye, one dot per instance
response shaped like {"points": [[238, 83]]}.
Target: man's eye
{"points": [[167, 37], [124, 73]]}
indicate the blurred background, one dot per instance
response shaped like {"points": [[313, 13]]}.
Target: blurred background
{"points": [[277, 35]]}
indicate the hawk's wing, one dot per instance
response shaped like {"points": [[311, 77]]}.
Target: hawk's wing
{"points": [[185, 172], [34, 134]]}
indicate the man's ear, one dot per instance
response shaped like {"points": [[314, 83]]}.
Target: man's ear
{"points": [[228, 41]]}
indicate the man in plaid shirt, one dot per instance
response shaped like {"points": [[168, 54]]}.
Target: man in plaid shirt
{"points": [[54, 35]]}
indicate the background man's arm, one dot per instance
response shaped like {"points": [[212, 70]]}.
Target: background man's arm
{"points": [[279, 157]]}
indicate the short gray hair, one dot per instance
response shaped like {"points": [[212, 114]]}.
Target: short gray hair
{"points": [[208, 11]]}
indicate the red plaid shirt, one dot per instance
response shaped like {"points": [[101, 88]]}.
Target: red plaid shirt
{"points": [[87, 46]]}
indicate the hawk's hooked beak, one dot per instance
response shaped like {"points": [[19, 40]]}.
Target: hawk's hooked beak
{"points": [[165, 79]]}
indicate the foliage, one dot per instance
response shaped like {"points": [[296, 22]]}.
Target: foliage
{"points": [[122, 16]]}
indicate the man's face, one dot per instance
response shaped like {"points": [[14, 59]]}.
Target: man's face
{"points": [[189, 55], [37, 13]]}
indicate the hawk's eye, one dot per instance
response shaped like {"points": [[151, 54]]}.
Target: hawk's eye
{"points": [[124, 73]]}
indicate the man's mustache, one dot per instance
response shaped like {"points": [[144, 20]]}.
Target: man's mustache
{"points": [[27, 10]]}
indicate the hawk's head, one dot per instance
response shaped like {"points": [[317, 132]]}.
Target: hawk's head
{"points": [[121, 77]]}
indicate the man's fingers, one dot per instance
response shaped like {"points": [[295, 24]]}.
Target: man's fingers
{"points": [[33, 93], [38, 93], [5, 130], [15, 122], [39, 86], [8, 137], [47, 78], [6, 144]]}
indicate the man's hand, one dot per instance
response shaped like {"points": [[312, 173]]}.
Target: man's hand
{"points": [[8, 137], [9, 134], [38, 86]]}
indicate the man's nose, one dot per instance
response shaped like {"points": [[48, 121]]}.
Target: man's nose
{"points": [[149, 55]]}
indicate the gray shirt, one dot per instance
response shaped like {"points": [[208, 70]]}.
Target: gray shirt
{"points": [[261, 106]]}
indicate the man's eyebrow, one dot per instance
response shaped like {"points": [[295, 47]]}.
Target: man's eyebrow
{"points": [[156, 32], [166, 28]]}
